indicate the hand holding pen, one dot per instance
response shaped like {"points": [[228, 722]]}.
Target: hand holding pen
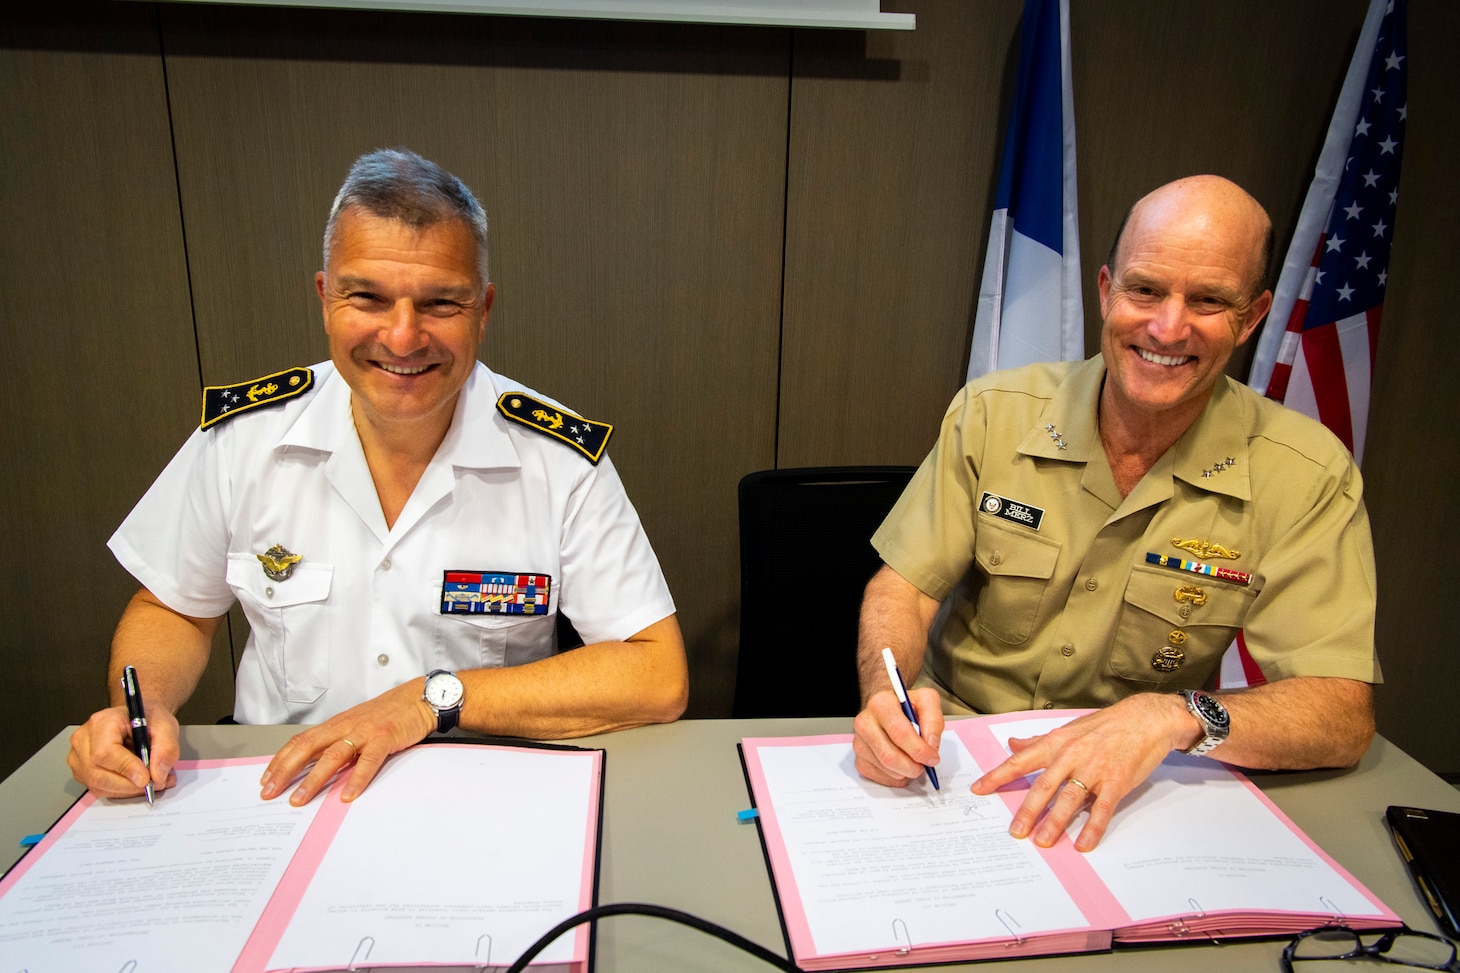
{"points": [[900, 690], [141, 738]]}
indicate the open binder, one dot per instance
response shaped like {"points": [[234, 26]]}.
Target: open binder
{"points": [[868, 876], [458, 856]]}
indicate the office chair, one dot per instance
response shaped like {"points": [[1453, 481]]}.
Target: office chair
{"points": [[805, 557]]}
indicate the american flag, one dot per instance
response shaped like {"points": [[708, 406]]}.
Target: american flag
{"points": [[1325, 360], [1331, 293]]}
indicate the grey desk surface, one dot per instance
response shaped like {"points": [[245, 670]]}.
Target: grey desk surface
{"points": [[670, 837]]}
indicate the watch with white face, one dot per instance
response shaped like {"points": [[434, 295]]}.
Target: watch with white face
{"points": [[1213, 716], [444, 693]]}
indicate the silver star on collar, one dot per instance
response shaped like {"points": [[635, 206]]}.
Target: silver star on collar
{"points": [[1220, 467]]}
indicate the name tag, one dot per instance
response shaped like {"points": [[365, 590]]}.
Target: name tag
{"points": [[1011, 510]]}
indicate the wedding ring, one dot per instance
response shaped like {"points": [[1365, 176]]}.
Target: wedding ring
{"points": [[357, 749], [1078, 783]]}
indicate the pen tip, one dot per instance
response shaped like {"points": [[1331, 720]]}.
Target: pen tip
{"points": [[149, 795]]}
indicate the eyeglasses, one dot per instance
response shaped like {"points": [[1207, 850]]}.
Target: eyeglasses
{"points": [[1404, 947]]}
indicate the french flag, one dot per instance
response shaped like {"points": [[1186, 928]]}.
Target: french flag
{"points": [[1029, 305]]}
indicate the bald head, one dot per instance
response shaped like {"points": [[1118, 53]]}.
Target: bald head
{"points": [[1211, 206]]}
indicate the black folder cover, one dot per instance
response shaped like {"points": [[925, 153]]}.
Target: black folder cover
{"points": [[1430, 844]]}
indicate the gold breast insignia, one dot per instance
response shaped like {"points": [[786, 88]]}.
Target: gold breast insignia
{"points": [[1204, 550], [278, 563], [1192, 593], [1168, 658]]}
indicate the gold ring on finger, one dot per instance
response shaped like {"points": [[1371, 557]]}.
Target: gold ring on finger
{"points": [[1078, 783], [355, 749]]}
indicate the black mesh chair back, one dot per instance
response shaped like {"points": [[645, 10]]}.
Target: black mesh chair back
{"points": [[805, 557]]}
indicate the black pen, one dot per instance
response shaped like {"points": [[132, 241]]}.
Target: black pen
{"points": [[141, 739]]}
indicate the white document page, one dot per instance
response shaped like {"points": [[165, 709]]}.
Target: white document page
{"points": [[878, 866], [1249, 858], [172, 888], [460, 855]]}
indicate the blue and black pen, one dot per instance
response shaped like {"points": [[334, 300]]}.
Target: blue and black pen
{"points": [[907, 710]]}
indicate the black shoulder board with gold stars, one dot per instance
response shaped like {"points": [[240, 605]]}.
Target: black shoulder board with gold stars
{"points": [[587, 436], [226, 401]]}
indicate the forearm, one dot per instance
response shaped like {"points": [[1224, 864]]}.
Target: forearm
{"points": [[1298, 724], [895, 615], [592, 689], [169, 651]]}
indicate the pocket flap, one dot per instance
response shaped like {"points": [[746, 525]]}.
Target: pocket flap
{"points": [[306, 583], [1014, 552], [1211, 602]]}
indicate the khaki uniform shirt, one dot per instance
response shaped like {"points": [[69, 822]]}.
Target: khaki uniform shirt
{"points": [[1049, 595]]}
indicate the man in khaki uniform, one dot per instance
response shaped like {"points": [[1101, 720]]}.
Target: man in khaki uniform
{"points": [[1096, 534]]}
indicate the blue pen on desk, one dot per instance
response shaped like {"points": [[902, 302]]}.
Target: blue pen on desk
{"points": [[907, 710], [141, 739]]}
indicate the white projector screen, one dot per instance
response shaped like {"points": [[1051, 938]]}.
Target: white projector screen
{"points": [[849, 14]]}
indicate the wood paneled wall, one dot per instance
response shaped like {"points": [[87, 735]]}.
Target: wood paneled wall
{"points": [[747, 247]]}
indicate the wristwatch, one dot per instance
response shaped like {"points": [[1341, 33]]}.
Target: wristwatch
{"points": [[1213, 717], [444, 693]]}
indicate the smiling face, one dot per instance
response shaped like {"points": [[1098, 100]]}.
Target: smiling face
{"points": [[405, 311], [1180, 299]]}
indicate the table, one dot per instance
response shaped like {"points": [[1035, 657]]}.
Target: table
{"points": [[670, 837]]}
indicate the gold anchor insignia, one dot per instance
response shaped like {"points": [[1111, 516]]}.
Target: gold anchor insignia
{"points": [[1168, 658], [1192, 593], [554, 421], [1203, 550], [261, 390], [278, 563]]}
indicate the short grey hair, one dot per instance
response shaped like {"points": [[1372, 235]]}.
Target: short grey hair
{"points": [[398, 184]]}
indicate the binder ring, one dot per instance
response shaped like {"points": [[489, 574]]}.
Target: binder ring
{"points": [[366, 943], [900, 933]]}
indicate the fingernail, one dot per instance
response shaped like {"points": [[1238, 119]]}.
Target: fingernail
{"points": [[298, 799]]}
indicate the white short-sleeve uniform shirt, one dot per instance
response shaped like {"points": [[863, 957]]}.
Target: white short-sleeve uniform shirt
{"points": [[362, 610]]}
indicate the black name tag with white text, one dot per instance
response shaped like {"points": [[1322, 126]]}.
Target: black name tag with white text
{"points": [[1011, 510]]}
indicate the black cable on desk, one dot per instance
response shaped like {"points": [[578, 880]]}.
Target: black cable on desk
{"points": [[660, 912]]}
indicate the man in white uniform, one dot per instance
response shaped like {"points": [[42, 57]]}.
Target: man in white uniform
{"points": [[401, 526]]}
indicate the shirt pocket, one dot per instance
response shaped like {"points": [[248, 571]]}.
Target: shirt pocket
{"points": [[1174, 627], [1016, 565], [290, 620], [470, 641]]}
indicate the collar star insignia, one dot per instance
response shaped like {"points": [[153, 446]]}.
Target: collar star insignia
{"points": [[1220, 466], [1055, 435]]}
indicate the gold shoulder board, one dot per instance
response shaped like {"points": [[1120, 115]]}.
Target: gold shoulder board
{"points": [[587, 436], [222, 402]]}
